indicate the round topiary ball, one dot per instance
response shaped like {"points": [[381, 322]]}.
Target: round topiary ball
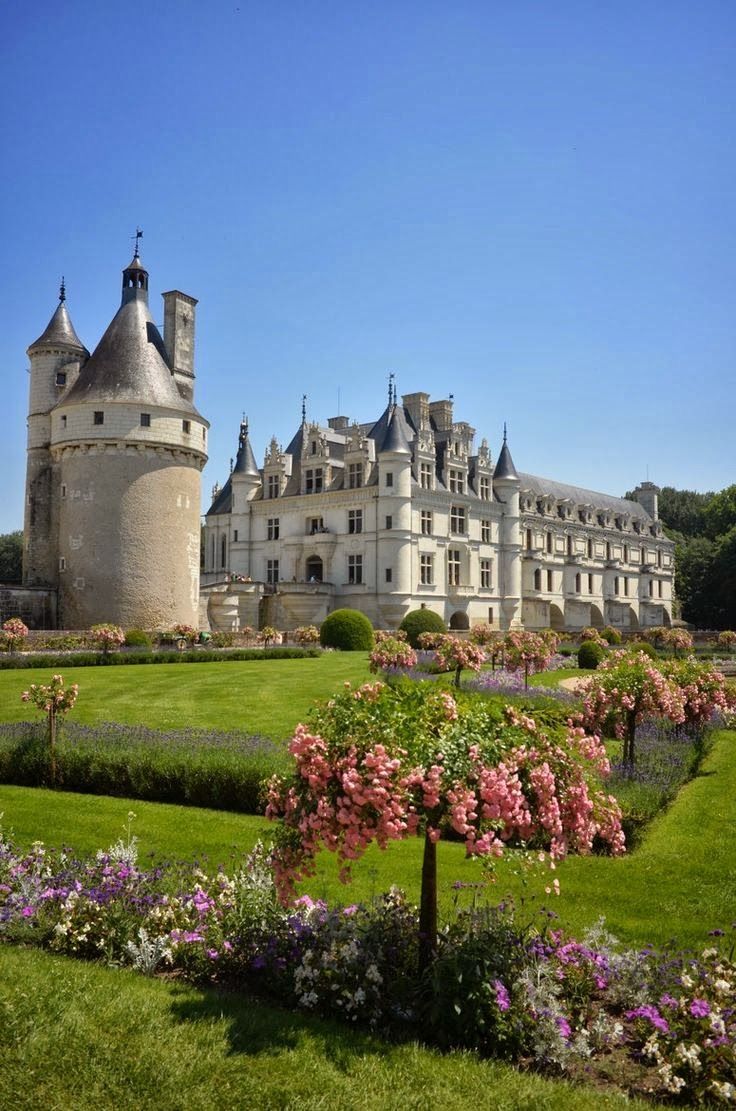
{"points": [[590, 654], [642, 646], [348, 630], [417, 622], [611, 636]]}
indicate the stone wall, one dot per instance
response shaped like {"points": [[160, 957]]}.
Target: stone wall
{"points": [[34, 605]]}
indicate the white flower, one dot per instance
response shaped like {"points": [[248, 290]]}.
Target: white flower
{"points": [[686, 981]]}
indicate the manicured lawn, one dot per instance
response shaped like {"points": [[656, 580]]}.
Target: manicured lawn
{"points": [[81, 1036], [680, 882], [252, 696]]}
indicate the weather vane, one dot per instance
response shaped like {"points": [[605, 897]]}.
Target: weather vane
{"points": [[138, 235]]}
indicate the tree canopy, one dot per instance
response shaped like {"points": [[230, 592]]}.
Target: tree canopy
{"points": [[11, 557]]}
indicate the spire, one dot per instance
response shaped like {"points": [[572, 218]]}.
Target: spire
{"points": [[245, 462], [505, 468], [62, 291], [135, 276], [60, 329]]}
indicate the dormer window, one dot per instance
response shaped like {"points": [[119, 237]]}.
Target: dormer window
{"points": [[61, 378]]}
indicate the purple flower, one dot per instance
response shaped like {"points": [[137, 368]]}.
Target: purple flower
{"points": [[27, 912], [699, 1008], [652, 1015], [564, 1027], [502, 996], [668, 1001]]}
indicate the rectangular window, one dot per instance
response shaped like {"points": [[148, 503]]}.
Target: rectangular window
{"points": [[61, 378], [145, 420], [456, 481], [272, 528], [659, 589], [389, 574], [485, 532], [235, 536], [651, 589], [63, 420], [457, 520], [62, 563], [484, 488], [355, 569], [590, 584], [538, 579], [355, 520], [426, 570], [425, 476], [490, 615], [186, 426], [99, 417], [550, 581], [389, 522], [626, 588], [453, 567], [273, 486], [272, 571], [63, 489], [355, 475], [315, 524], [314, 481], [486, 567], [389, 478], [425, 522], [615, 585], [578, 582]]}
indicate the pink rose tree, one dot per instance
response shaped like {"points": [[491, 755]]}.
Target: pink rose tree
{"points": [[306, 634], [679, 640], [483, 634], [454, 654], [390, 655], [54, 700], [107, 637], [727, 639], [15, 632], [703, 689], [383, 763], [626, 688], [529, 652]]}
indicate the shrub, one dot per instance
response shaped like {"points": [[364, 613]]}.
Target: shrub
{"points": [[590, 654], [348, 630], [138, 638], [14, 632], [727, 639], [106, 636], [642, 646], [611, 636], [421, 621], [306, 634]]}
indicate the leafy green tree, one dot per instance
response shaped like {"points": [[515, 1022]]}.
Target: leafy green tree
{"points": [[694, 559], [11, 557], [723, 580], [720, 515], [684, 511]]}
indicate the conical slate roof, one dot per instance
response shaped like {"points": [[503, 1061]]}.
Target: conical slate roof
{"points": [[130, 363], [397, 433], [59, 330], [245, 462], [505, 465]]}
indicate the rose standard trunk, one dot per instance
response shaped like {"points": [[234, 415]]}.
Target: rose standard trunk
{"points": [[428, 905]]}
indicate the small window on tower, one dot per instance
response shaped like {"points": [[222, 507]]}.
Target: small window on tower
{"points": [[61, 378], [186, 426], [99, 417], [145, 420], [63, 420]]}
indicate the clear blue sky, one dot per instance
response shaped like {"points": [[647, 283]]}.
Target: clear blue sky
{"points": [[527, 204]]}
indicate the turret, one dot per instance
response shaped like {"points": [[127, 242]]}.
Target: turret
{"points": [[394, 454], [647, 495], [55, 357], [506, 486]]}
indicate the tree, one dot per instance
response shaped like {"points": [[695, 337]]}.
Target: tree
{"points": [[54, 700], [720, 513], [383, 763], [11, 557]]}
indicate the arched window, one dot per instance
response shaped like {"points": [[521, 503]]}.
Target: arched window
{"points": [[577, 583], [537, 579], [549, 541]]}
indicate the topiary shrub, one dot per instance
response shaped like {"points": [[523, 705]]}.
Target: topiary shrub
{"points": [[611, 636], [138, 638], [642, 646], [348, 630], [590, 654], [417, 622]]}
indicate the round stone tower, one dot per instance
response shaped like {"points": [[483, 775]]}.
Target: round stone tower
{"points": [[506, 486], [129, 446]]}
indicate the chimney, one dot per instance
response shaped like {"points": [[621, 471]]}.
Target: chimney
{"points": [[646, 494], [179, 319]]}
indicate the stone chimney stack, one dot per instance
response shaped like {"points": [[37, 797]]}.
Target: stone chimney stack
{"points": [[647, 495], [179, 320]]}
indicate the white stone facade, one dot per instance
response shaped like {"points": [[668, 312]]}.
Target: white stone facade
{"points": [[405, 512]]}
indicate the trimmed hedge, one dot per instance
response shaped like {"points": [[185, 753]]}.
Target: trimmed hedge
{"points": [[590, 654], [190, 767], [190, 656], [420, 621], [610, 635], [643, 646], [348, 630]]}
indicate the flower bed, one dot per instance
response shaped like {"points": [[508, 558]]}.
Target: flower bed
{"points": [[661, 1024]]}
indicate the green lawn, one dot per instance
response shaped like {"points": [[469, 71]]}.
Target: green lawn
{"points": [[81, 1037], [251, 696]]}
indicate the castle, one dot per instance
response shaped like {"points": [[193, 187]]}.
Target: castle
{"points": [[384, 516], [115, 451], [404, 511]]}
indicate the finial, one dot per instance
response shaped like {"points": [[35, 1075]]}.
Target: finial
{"points": [[231, 464], [304, 408], [62, 290], [391, 388], [504, 431], [138, 235]]}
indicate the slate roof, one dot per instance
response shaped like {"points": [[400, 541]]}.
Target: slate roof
{"points": [[581, 496], [59, 330]]}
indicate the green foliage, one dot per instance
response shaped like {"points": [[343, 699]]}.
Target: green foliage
{"points": [[421, 621], [590, 654], [642, 646], [191, 656], [348, 630], [720, 513], [610, 635], [684, 511], [11, 557], [138, 638]]}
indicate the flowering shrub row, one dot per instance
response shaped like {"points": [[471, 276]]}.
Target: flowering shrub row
{"points": [[666, 1022]]}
